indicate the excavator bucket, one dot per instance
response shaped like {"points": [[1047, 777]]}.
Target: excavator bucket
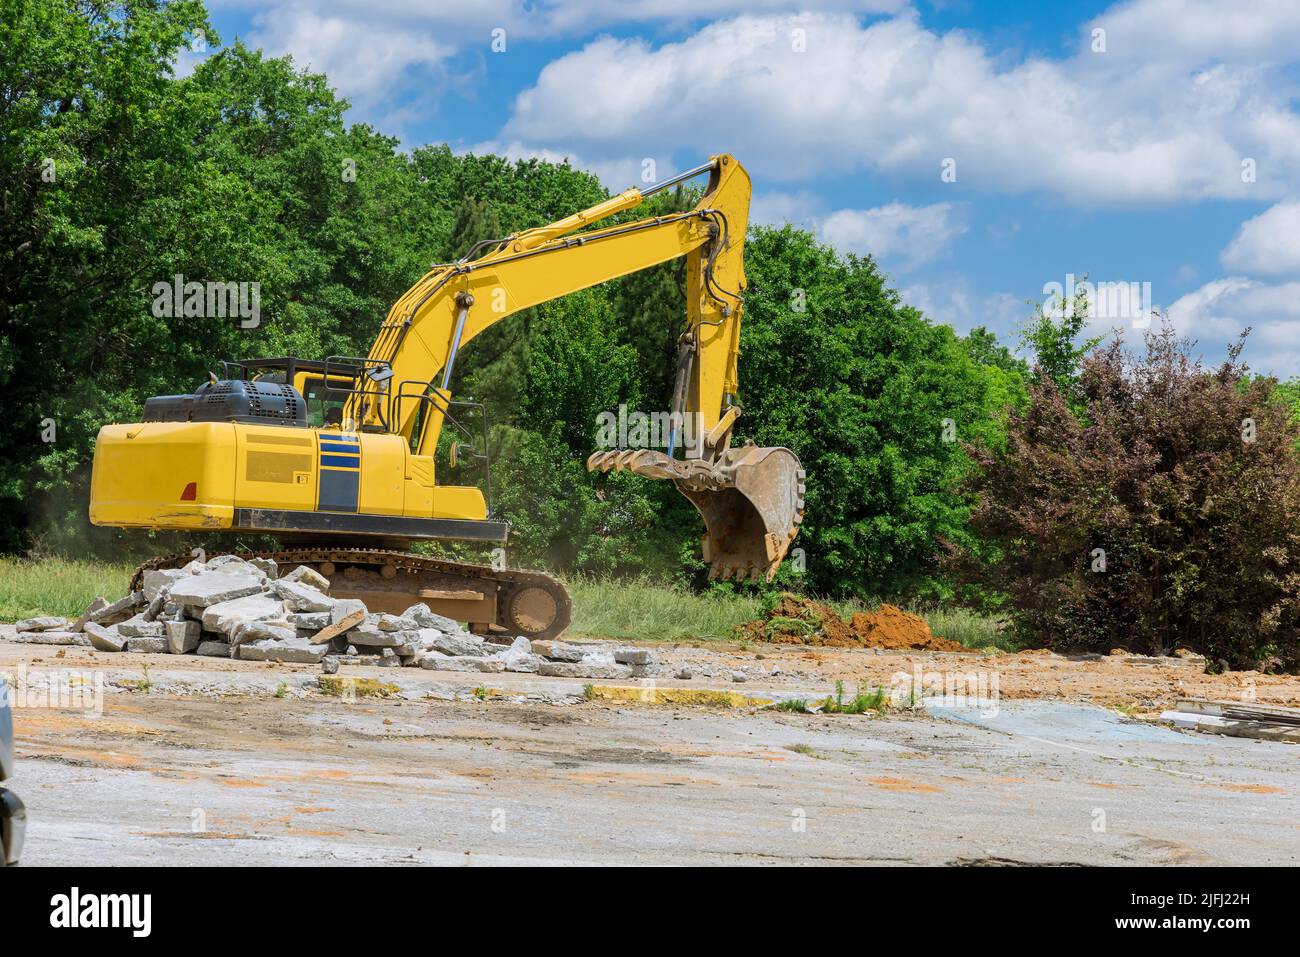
{"points": [[751, 499]]}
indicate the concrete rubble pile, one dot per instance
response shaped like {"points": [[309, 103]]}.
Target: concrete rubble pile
{"points": [[229, 607]]}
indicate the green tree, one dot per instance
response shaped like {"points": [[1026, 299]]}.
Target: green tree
{"points": [[875, 400]]}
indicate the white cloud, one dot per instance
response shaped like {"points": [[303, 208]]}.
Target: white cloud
{"points": [[368, 59], [896, 233], [898, 236], [615, 174], [1217, 312], [954, 303], [897, 98], [1268, 245], [1189, 30]]}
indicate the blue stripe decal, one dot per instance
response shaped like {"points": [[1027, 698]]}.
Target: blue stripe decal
{"points": [[341, 461], [340, 447]]}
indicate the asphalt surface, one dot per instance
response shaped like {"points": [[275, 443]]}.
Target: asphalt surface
{"points": [[235, 775]]}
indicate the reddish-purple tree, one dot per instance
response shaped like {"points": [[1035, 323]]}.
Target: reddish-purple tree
{"points": [[1158, 507]]}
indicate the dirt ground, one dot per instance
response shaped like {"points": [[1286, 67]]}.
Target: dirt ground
{"points": [[218, 761]]}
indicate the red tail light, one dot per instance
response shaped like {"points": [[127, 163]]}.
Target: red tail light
{"points": [[191, 492]]}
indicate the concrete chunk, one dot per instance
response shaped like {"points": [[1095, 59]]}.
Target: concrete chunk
{"points": [[461, 663], [98, 604], [565, 669], [149, 645], [266, 566], [182, 636], [157, 581], [224, 616], [557, 651], [315, 620], [213, 588], [292, 651], [42, 623], [214, 649], [51, 638], [300, 597], [155, 608], [119, 610], [371, 636], [455, 645], [308, 576], [385, 622], [424, 618], [104, 637], [634, 656], [262, 631], [137, 627], [523, 663], [345, 608]]}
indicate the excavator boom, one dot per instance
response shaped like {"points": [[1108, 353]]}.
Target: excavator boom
{"points": [[751, 500]]}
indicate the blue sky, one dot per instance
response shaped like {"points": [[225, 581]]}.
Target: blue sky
{"points": [[1142, 142]]}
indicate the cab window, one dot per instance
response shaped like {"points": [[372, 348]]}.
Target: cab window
{"points": [[322, 400]]}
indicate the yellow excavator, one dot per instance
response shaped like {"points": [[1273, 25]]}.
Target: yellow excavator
{"points": [[338, 459]]}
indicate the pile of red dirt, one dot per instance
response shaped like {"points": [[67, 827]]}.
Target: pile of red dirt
{"points": [[796, 620]]}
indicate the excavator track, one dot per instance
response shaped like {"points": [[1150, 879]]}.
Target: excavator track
{"points": [[501, 601]]}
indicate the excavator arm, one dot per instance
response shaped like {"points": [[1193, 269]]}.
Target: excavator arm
{"points": [[751, 499]]}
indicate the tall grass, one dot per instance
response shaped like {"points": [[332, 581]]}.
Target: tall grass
{"points": [[642, 609], [57, 586], [970, 628]]}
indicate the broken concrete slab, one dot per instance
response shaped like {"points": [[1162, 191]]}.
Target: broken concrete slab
{"points": [[51, 638], [340, 626], [262, 631], [213, 649], [461, 663], [104, 637], [583, 669], [155, 607], [424, 618], [292, 651], [315, 620], [386, 622], [148, 645], [308, 576], [117, 611], [523, 663], [634, 656], [371, 661], [267, 566], [183, 636], [347, 608], [455, 645], [214, 588], [158, 580], [371, 636], [99, 604], [224, 616], [137, 627], [42, 623], [557, 650], [301, 597]]}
